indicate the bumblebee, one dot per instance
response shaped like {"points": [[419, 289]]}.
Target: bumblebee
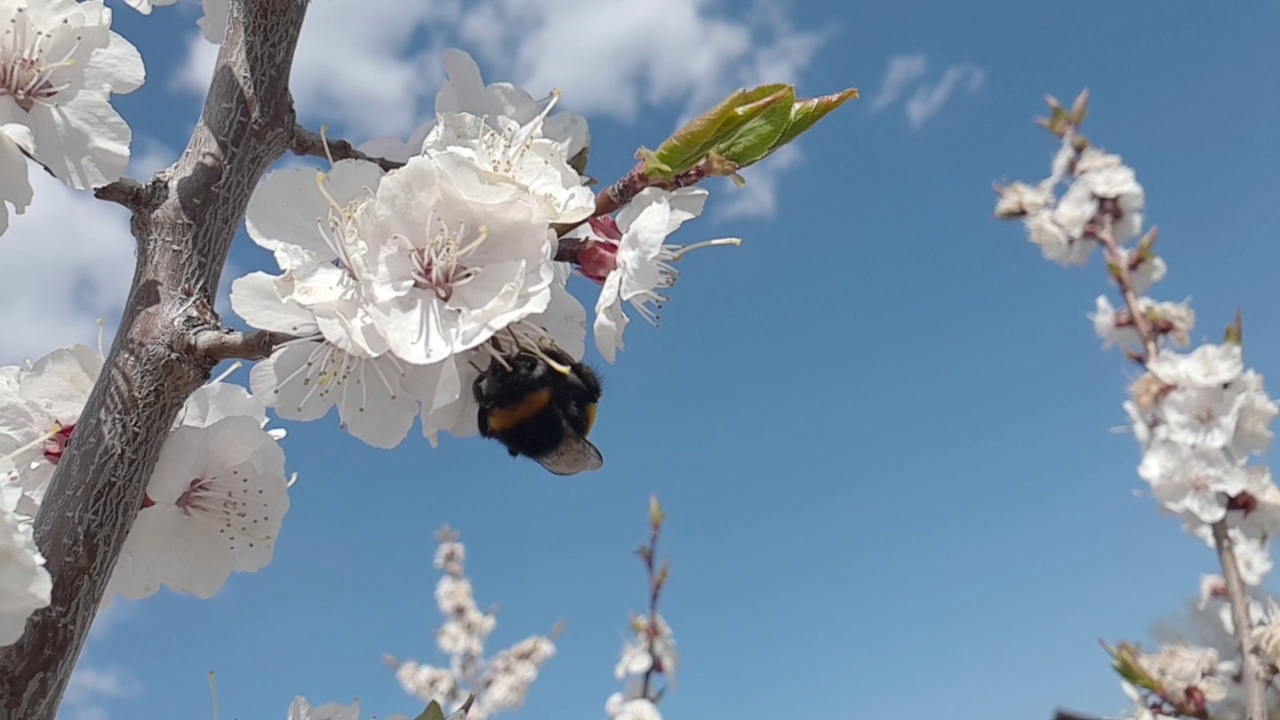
{"points": [[541, 403]]}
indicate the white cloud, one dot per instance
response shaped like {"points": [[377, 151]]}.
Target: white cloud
{"points": [[759, 197], [64, 263], [373, 66], [148, 157], [357, 64], [929, 99], [196, 70], [92, 688], [903, 70], [624, 56], [907, 71]]}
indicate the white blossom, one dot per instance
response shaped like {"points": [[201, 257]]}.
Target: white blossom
{"points": [[1045, 230], [1206, 366], [1197, 481], [39, 410], [1256, 411], [425, 682], [1120, 185], [514, 154], [1179, 667], [630, 259], [464, 91], [451, 556], [25, 585], [1147, 272], [1201, 416], [304, 380], [60, 62], [619, 708], [1252, 554], [312, 223], [214, 505], [460, 255], [313, 226], [1019, 199], [512, 672]]}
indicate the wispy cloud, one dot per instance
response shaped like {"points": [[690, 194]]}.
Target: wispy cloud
{"points": [[929, 99], [364, 65], [906, 72], [903, 70]]}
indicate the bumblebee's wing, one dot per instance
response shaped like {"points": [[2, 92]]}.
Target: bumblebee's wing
{"points": [[576, 454]]}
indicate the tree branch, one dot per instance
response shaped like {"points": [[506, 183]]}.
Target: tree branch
{"points": [[184, 231], [125, 191], [1256, 677], [218, 345], [311, 144]]}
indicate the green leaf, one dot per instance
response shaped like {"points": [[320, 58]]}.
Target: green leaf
{"points": [[755, 139], [690, 144], [433, 712], [806, 113]]}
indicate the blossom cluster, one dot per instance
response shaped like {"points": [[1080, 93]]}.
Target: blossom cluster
{"points": [[213, 505], [60, 63], [484, 687], [1201, 418], [400, 287], [651, 654]]}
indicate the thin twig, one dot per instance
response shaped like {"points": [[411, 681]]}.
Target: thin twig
{"points": [[125, 191], [219, 345], [1105, 235], [1256, 675], [310, 144], [656, 581]]}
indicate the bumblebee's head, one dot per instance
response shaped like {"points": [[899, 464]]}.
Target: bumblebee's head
{"points": [[541, 403]]}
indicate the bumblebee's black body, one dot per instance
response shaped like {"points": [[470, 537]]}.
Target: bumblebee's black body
{"points": [[539, 412]]}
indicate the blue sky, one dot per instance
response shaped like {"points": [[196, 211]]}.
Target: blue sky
{"points": [[881, 427]]}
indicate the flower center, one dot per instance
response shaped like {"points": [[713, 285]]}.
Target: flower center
{"points": [[441, 266], [26, 69], [238, 507], [56, 443]]}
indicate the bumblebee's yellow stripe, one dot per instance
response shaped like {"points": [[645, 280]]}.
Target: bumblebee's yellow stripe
{"points": [[503, 419], [591, 418]]}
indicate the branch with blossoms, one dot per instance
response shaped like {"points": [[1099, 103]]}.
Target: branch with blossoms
{"points": [[477, 687], [1201, 419], [651, 656], [472, 688], [406, 271]]}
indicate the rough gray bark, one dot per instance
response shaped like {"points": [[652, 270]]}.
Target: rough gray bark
{"points": [[184, 221]]}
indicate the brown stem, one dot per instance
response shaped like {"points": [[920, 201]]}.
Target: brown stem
{"points": [[1256, 676], [125, 191], [655, 592], [218, 345], [1105, 235], [311, 144], [184, 225]]}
